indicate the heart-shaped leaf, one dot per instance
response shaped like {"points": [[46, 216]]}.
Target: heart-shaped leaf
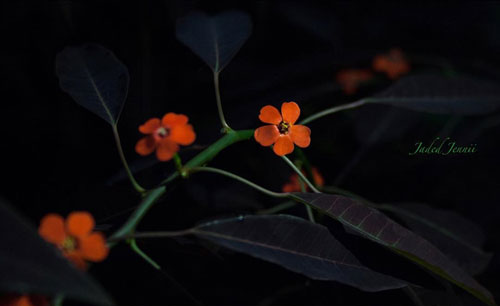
{"points": [[442, 95], [458, 238], [94, 78], [215, 39], [297, 245], [28, 264], [373, 225]]}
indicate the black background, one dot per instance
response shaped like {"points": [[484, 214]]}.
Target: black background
{"points": [[58, 157]]}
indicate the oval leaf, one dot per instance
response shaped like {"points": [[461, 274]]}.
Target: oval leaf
{"points": [[28, 264], [442, 95], [94, 78], [215, 39], [375, 226], [460, 239], [297, 245]]}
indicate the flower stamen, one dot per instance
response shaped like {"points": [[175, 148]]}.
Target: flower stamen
{"points": [[69, 244], [162, 132], [283, 127]]}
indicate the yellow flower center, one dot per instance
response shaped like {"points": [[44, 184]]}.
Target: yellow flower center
{"points": [[69, 244], [283, 127]]}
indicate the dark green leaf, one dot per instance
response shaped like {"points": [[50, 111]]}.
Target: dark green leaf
{"points": [[458, 238], [297, 245], [28, 264], [215, 39], [373, 225], [442, 95], [94, 78]]}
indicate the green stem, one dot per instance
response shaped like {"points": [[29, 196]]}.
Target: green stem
{"points": [[301, 175], [162, 234], [178, 162], [306, 165], [332, 110], [277, 208], [225, 126], [240, 179], [310, 213], [136, 249], [210, 152], [136, 185], [58, 300], [150, 198]]}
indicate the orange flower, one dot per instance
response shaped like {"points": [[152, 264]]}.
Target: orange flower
{"points": [[75, 237], [283, 132], [23, 300], [351, 78], [165, 136], [293, 184], [394, 64]]}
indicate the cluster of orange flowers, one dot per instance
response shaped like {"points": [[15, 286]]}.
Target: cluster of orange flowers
{"points": [[394, 64], [74, 236]]}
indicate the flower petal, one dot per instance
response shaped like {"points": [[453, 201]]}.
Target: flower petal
{"points": [[183, 134], [301, 135], [145, 146], [93, 247], [380, 63], [270, 114], [293, 185], [173, 119], [166, 149], [266, 135], [283, 145], [77, 259], [150, 126], [79, 223], [317, 177], [52, 229], [15, 300], [290, 111]]}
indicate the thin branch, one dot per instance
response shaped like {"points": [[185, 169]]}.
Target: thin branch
{"points": [[332, 110], [240, 179]]}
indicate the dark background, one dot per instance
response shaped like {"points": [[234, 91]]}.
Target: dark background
{"points": [[58, 157]]}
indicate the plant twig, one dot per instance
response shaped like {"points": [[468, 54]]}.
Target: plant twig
{"points": [[135, 248], [277, 208], [240, 179], [301, 175], [136, 185], [332, 110], [225, 126]]}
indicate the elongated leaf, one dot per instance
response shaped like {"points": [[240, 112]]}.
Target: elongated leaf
{"points": [[215, 39], [375, 226], [94, 78], [443, 95], [455, 236], [297, 245], [28, 264]]}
